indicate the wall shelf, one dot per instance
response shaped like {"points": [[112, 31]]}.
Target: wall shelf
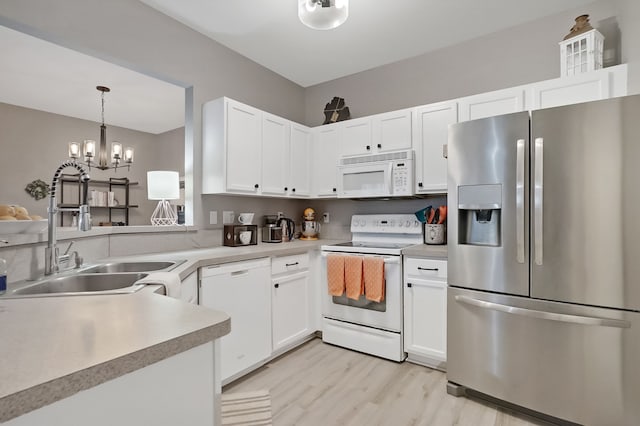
{"points": [[121, 185]]}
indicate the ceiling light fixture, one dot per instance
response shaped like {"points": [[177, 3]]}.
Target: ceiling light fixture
{"points": [[89, 147], [323, 14]]}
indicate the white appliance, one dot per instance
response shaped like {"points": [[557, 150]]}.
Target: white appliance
{"points": [[363, 325], [388, 174]]}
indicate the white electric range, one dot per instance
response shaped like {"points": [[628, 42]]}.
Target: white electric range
{"points": [[363, 325]]}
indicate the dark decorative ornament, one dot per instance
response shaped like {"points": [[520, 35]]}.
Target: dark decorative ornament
{"points": [[38, 189], [335, 111]]}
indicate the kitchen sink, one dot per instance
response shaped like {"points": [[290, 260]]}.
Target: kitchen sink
{"points": [[83, 284], [117, 267]]}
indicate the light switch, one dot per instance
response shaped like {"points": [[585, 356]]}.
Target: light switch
{"points": [[213, 217]]}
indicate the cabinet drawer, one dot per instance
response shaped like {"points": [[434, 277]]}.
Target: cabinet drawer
{"points": [[425, 268], [296, 262]]}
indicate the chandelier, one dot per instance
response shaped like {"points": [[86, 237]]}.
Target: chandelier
{"points": [[323, 14], [100, 158]]}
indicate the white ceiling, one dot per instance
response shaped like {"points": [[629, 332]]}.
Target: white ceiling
{"points": [[377, 32], [41, 75]]}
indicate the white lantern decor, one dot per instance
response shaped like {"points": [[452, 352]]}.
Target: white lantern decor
{"points": [[582, 49]]}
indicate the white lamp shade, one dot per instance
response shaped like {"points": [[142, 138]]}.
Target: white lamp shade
{"points": [[313, 15], [163, 185]]}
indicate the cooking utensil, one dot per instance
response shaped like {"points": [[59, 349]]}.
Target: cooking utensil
{"points": [[443, 214], [422, 215], [431, 216]]}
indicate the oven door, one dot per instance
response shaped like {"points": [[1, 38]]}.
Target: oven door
{"points": [[385, 315], [365, 180]]}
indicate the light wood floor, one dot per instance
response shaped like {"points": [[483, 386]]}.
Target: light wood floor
{"points": [[320, 384]]}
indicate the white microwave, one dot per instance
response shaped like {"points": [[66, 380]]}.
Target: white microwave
{"points": [[388, 174]]}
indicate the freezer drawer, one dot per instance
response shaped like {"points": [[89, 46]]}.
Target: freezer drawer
{"points": [[572, 362]]}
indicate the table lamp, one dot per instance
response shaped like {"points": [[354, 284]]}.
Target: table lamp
{"points": [[163, 185]]}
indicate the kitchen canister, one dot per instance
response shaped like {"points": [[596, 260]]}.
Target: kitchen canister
{"points": [[434, 233]]}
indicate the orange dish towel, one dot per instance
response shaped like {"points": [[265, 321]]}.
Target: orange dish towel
{"points": [[353, 277], [335, 274], [373, 271]]}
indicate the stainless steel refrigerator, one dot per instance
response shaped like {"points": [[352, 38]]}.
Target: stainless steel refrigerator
{"points": [[544, 260]]}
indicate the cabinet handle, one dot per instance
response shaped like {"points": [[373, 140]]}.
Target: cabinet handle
{"points": [[409, 285], [276, 285], [292, 264], [293, 190], [379, 145], [256, 186], [420, 184], [368, 147], [334, 190], [426, 269], [286, 189]]}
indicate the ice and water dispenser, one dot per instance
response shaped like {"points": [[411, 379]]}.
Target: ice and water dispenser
{"points": [[479, 211]]}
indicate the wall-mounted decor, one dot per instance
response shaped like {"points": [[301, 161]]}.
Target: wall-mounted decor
{"points": [[335, 111], [38, 189], [582, 49]]}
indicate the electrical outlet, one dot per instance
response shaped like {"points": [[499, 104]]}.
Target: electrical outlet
{"points": [[228, 217], [325, 217], [213, 217]]}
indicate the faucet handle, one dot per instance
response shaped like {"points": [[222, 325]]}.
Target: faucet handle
{"points": [[77, 259], [66, 252]]}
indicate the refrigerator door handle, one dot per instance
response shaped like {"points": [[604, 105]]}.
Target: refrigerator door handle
{"points": [[552, 316], [538, 196], [520, 201]]}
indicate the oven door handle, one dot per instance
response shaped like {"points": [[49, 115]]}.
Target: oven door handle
{"points": [[387, 259]]}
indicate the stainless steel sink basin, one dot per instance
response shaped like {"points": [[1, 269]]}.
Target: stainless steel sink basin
{"points": [[83, 284], [117, 267]]}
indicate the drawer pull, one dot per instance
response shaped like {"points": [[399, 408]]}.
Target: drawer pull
{"points": [[276, 285], [291, 264], [427, 269], [409, 285]]}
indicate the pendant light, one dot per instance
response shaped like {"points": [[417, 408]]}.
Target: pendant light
{"points": [[90, 154], [323, 14]]}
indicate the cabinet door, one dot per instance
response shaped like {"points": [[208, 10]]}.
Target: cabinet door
{"points": [[275, 154], [242, 292], [392, 130], [425, 318], [325, 158], [299, 183], [244, 153], [493, 103], [570, 90], [431, 134], [189, 289], [356, 136], [291, 309]]}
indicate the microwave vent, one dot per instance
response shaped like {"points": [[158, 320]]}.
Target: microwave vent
{"points": [[373, 158]]}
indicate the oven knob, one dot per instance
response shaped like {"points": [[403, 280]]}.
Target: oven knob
{"points": [[363, 222], [416, 224], [408, 223]]}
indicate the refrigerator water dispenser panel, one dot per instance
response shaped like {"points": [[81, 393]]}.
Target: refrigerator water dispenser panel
{"points": [[479, 211]]}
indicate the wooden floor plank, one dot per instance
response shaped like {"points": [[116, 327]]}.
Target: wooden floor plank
{"points": [[321, 384]]}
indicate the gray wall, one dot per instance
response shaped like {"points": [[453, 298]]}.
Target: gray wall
{"points": [[519, 55], [131, 34], [35, 143]]}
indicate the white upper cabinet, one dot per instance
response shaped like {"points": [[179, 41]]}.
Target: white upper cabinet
{"points": [[392, 130], [431, 130], [492, 103], [326, 152], [299, 182], [275, 154], [355, 136], [592, 86], [231, 147]]}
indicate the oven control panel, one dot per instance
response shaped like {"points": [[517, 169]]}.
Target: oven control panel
{"points": [[389, 223]]}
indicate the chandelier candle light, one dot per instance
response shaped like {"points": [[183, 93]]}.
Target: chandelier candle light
{"points": [[89, 147], [323, 14], [163, 186]]}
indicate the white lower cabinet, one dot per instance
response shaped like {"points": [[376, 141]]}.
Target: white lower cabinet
{"points": [[241, 290], [425, 311], [189, 289], [291, 301]]}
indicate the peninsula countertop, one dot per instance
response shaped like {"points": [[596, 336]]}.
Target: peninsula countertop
{"points": [[54, 347]]}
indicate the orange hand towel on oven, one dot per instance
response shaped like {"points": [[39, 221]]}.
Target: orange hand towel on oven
{"points": [[335, 274], [373, 271], [353, 277]]}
